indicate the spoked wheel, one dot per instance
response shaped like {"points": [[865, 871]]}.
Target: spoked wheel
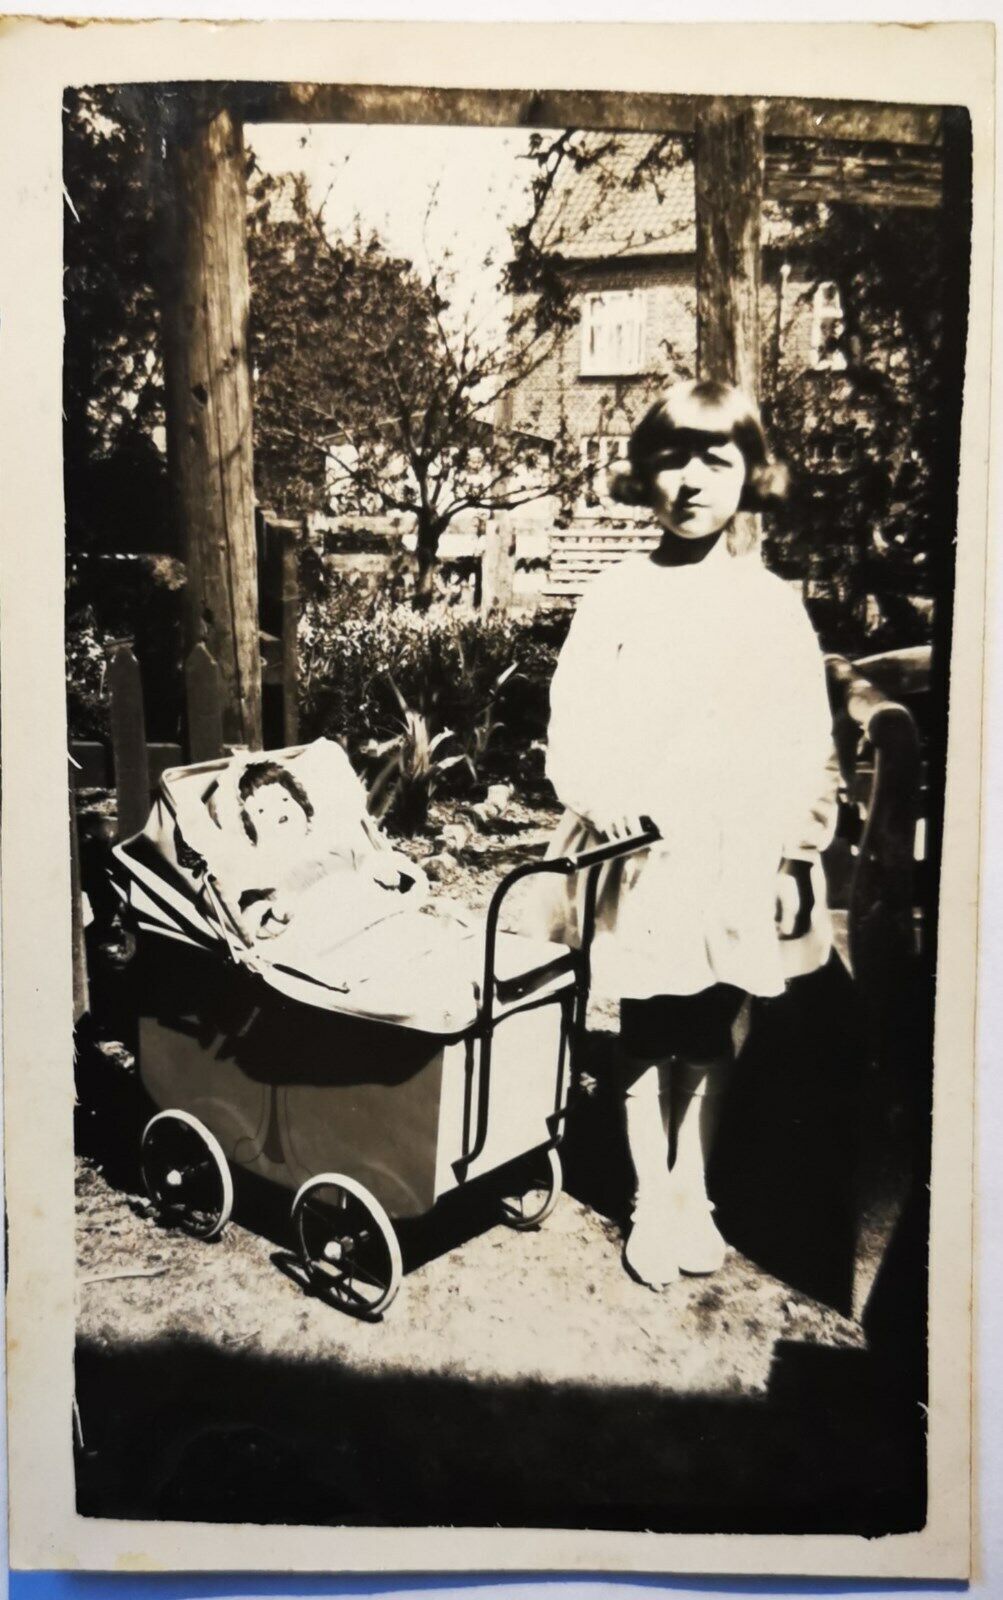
{"points": [[347, 1244], [543, 1177], [186, 1174]]}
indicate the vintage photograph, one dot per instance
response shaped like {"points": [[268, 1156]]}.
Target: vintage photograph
{"points": [[510, 561]]}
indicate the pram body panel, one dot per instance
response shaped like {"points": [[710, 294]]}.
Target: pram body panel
{"points": [[290, 1090]]}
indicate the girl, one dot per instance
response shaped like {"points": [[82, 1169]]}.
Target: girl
{"points": [[691, 692]]}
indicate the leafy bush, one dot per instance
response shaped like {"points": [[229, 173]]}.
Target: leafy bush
{"points": [[486, 679], [413, 765]]}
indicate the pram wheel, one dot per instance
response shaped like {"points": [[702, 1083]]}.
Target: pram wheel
{"points": [[532, 1206], [186, 1174], [347, 1244]]}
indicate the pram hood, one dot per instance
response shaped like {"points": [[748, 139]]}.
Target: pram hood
{"points": [[421, 971]]}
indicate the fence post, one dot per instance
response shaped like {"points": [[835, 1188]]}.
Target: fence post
{"points": [[290, 637], [498, 564], [128, 739], [204, 696]]}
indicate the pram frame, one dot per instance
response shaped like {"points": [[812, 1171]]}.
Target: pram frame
{"points": [[590, 862]]}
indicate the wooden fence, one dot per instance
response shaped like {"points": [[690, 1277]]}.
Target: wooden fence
{"points": [[580, 551]]}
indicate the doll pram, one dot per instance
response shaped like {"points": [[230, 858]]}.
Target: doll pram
{"points": [[365, 1113]]}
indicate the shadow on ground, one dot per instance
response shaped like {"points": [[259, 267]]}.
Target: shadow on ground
{"points": [[183, 1429], [186, 1431]]}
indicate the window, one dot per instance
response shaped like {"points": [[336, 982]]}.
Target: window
{"points": [[613, 333], [599, 454], [827, 329]]}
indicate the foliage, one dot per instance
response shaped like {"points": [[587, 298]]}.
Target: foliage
{"points": [[486, 678], [311, 297], [112, 372], [486, 725], [414, 763], [107, 598], [86, 705], [866, 443]]}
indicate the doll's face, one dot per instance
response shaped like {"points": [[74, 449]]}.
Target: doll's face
{"points": [[697, 483], [276, 814]]}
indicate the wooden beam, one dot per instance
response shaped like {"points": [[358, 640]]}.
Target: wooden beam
{"points": [[208, 403], [562, 108], [841, 191], [799, 171]]}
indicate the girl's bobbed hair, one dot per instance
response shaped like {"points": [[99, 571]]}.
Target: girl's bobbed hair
{"points": [[706, 406]]}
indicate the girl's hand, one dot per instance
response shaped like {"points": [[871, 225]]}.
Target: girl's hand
{"points": [[795, 899]]}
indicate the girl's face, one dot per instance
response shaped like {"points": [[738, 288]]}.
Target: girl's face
{"points": [[697, 483], [276, 814]]}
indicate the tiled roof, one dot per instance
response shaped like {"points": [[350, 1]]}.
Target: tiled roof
{"points": [[614, 208], [282, 198]]}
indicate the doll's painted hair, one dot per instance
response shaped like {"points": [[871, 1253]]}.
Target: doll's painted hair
{"points": [[255, 777], [717, 409]]}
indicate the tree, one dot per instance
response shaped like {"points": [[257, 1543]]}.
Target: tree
{"points": [[112, 372], [360, 361], [371, 391], [867, 442]]}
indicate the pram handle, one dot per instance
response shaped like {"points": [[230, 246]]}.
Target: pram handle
{"points": [[565, 865], [614, 849]]}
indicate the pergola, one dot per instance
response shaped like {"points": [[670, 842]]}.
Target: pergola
{"points": [[206, 311]]}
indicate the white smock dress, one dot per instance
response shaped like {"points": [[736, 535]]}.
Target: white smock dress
{"points": [[695, 696]]}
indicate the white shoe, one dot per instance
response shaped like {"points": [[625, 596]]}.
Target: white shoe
{"points": [[699, 1246], [650, 1251]]}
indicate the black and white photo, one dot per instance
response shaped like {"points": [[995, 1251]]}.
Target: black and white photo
{"points": [[513, 628]]}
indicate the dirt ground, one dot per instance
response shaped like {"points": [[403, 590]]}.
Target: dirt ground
{"points": [[488, 1318]]}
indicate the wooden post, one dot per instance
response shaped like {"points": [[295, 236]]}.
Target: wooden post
{"points": [[498, 563], [728, 163], [204, 695], [208, 403], [279, 613], [728, 172], [128, 740]]}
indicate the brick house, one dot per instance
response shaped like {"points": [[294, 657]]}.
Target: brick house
{"points": [[627, 239]]}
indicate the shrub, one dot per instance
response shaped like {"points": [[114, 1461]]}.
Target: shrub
{"points": [[453, 668], [414, 762]]}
